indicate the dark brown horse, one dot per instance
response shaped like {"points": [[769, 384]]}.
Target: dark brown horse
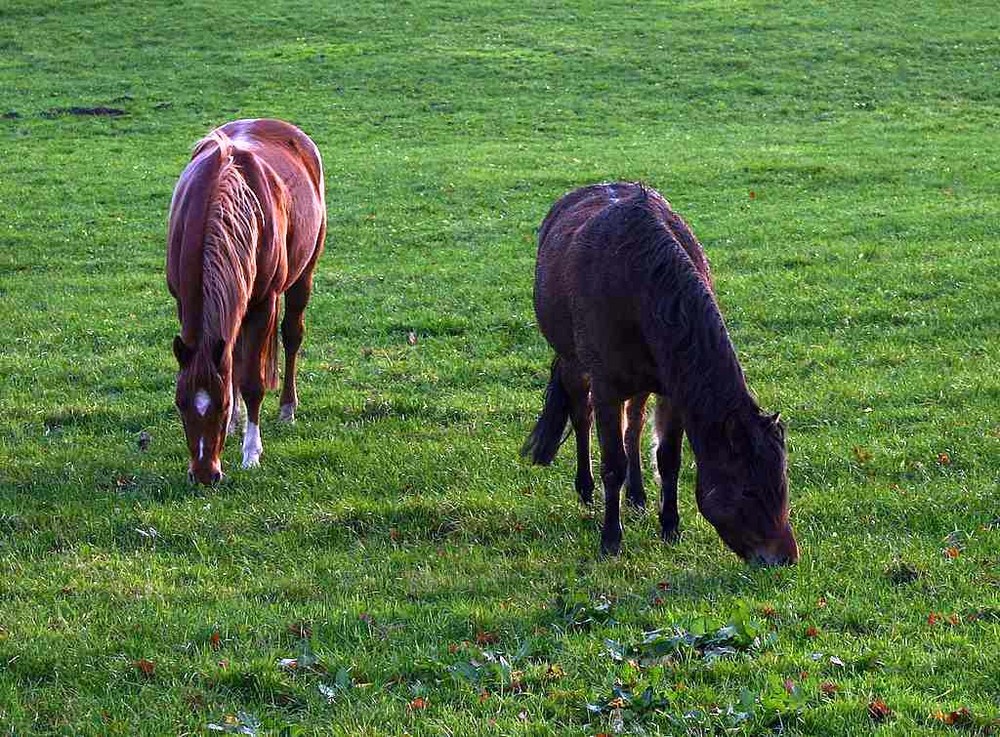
{"points": [[624, 297], [247, 224]]}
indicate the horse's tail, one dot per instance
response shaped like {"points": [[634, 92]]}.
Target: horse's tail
{"points": [[550, 430]]}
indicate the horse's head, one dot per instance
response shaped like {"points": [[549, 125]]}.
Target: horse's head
{"points": [[203, 400], [742, 488]]}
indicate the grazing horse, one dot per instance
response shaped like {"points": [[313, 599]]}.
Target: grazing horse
{"points": [[624, 297], [247, 224]]}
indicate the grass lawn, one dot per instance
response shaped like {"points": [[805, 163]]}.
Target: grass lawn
{"points": [[838, 162]]}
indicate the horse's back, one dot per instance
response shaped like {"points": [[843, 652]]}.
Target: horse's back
{"points": [[598, 248], [296, 165], [285, 148]]}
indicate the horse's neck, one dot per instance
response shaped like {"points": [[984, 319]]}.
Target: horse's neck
{"points": [[227, 285], [699, 367]]}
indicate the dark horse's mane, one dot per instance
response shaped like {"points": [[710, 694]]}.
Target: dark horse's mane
{"points": [[701, 370]]}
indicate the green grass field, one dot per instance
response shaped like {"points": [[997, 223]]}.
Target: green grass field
{"points": [[838, 163]]}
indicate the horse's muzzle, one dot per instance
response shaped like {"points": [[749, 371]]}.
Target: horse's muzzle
{"points": [[208, 476], [780, 551]]}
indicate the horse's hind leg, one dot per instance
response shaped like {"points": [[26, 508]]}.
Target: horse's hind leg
{"points": [[258, 339], [293, 328], [234, 403], [636, 415], [614, 467], [669, 434], [581, 416]]}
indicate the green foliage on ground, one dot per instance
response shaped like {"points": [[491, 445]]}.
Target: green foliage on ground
{"points": [[839, 164]]}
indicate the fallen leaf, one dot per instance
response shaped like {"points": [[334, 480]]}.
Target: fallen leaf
{"points": [[663, 585], [517, 681], [828, 688], [811, 631], [752, 194], [954, 620], [769, 612], [411, 338], [484, 695], [933, 618], [393, 534], [943, 459], [215, 641], [821, 602], [952, 552], [486, 638], [146, 667], [878, 711], [789, 685], [419, 703], [554, 671], [954, 718], [452, 648], [862, 454]]}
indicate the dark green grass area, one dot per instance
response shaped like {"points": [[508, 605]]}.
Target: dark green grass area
{"points": [[839, 164]]}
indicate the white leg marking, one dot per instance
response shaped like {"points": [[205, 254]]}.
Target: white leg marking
{"points": [[252, 447], [201, 449], [287, 413], [201, 402]]}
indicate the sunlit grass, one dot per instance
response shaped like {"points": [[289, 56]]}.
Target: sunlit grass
{"points": [[837, 165]]}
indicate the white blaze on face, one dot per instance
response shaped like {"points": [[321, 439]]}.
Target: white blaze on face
{"points": [[201, 402], [201, 449]]}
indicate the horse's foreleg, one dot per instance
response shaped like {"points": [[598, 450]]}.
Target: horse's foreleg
{"points": [[669, 434], [613, 469], [636, 414], [581, 416], [257, 334]]}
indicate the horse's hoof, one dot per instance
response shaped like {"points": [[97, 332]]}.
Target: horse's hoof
{"points": [[611, 548], [287, 413], [251, 461], [586, 498]]}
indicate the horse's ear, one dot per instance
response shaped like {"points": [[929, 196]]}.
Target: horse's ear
{"points": [[181, 351], [775, 420], [217, 350]]}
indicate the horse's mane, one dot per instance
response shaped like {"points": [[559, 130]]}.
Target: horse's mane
{"points": [[680, 300], [232, 228]]}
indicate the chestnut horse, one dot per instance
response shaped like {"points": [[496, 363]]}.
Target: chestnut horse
{"points": [[624, 297], [247, 224]]}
